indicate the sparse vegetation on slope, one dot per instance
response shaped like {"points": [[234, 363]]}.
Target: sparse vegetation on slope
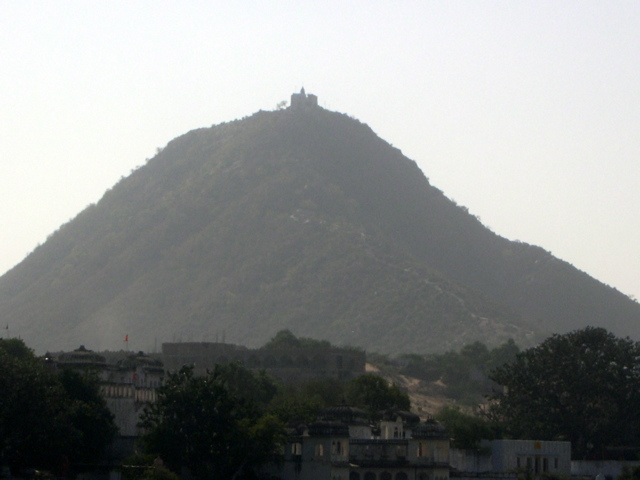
{"points": [[301, 220]]}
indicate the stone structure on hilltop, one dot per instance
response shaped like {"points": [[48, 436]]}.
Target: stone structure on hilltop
{"points": [[303, 100], [291, 364]]}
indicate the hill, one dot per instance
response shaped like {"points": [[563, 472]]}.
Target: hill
{"points": [[301, 219]]}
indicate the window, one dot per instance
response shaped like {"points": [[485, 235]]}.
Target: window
{"points": [[319, 450], [354, 476], [385, 476], [369, 476], [336, 448], [401, 476], [296, 448], [545, 464]]}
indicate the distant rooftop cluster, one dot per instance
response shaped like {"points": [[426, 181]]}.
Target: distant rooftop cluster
{"points": [[303, 100]]}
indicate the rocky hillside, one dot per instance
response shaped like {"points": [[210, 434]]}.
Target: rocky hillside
{"points": [[300, 219]]}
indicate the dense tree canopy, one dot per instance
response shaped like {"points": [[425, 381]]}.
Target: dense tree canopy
{"points": [[302, 401], [466, 430], [373, 394], [286, 339], [214, 425], [48, 420], [465, 374], [583, 386], [88, 413]]}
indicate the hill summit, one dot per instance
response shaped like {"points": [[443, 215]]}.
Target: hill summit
{"points": [[301, 219]]}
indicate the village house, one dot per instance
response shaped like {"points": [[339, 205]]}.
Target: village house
{"points": [[128, 382], [343, 445], [503, 459]]}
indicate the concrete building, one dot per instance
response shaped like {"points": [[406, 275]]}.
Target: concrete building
{"points": [[507, 458], [343, 445], [128, 382], [535, 456], [289, 365]]}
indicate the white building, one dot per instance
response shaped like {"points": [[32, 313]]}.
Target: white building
{"points": [[498, 458]]}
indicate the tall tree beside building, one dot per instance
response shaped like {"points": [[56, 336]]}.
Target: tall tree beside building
{"points": [[48, 421], [373, 394], [583, 386], [214, 425], [87, 411]]}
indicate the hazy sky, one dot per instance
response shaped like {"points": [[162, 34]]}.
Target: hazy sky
{"points": [[526, 112]]}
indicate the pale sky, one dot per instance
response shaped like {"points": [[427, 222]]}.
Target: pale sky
{"points": [[526, 112]]}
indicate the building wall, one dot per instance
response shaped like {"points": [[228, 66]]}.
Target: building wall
{"points": [[128, 382], [288, 365], [310, 457], [536, 456], [430, 451], [611, 469], [470, 460], [126, 402]]}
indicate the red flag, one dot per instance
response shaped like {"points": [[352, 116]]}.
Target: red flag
{"points": [[126, 338]]}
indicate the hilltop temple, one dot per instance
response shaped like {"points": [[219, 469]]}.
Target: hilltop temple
{"points": [[302, 100]]}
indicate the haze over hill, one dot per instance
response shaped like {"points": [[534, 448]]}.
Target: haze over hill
{"points": [[301, 219]]}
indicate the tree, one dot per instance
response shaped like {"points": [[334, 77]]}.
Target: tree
{"points": [[630, 473], [502, 354], [464, 373], [301, 402], [475, 353], [466, 430], [32, 410], [285, 339], [282, 340], [583, 386], [254, 388], [373, 394], [213, 425], [48, 420], [89, 414]]}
